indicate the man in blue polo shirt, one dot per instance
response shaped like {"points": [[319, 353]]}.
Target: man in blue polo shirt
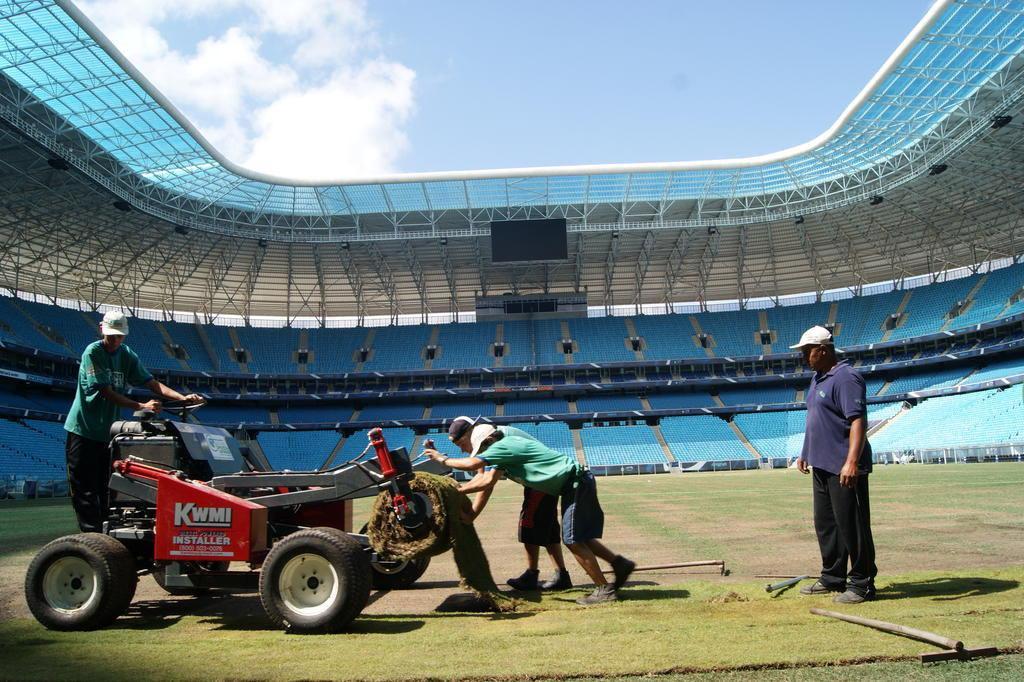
{"points": [[837, 449]]}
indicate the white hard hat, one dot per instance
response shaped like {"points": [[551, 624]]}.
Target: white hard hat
{"points": [[114, 324], [816, 336]]}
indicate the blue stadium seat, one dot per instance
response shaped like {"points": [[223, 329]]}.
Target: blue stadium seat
{"points": [[610, 445], [702, 438], [608, 403], [297, 450]]}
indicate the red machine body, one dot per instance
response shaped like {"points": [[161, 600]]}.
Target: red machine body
{"points": [[195, 522]]}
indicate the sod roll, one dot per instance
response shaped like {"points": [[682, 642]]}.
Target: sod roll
{"points": [[445, 530]]}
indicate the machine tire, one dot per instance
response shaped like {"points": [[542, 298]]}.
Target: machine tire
{"points": [[80, 582], [402, 576], [315, 580]]}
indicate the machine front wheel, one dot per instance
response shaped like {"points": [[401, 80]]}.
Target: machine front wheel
{"points": [[315, 580], [80, 582]]}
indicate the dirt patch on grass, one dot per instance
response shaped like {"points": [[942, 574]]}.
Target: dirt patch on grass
{"points": [[728, 598]]}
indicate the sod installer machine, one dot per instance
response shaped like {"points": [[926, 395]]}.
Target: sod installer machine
{"points": [[191, 506]]}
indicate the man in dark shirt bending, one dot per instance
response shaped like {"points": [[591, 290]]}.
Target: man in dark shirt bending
{"points": [[837, 449]]}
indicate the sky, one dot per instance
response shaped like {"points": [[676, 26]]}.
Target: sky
{"points": [[342, 89]]}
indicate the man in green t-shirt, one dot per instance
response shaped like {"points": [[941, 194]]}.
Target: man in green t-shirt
{"points": [[530, 463], [108, 367], [538, 522]]}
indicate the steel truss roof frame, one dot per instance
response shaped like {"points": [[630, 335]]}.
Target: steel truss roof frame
{"points": [[85, 102], [61, 237]]}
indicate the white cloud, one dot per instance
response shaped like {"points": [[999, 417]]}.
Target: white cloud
{"points": [[352, 125], [335, 108]]}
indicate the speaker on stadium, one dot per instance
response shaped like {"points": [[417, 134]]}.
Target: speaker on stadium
{"points": [[876, 200]]}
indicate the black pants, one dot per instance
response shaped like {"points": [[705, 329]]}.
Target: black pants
{"points": [[842, 520], [88, 477]]}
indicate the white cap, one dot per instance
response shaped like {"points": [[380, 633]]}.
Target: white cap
{"points": [[816, 336], [481, 432], [114, 324]]}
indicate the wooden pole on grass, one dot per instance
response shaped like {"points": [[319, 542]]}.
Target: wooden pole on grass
{"points": [[913, 633], [686, 564]]}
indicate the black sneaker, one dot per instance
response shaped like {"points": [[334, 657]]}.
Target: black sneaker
{"points": [[623, 568], [559, 581], [818, 588], [850, 597], [602, 594], [526, 582]]}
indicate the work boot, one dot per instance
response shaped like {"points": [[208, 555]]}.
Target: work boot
{"points": [[526, 582], [601, 595], [559, 581], [818, 588], [622, 567], [849, 597]]}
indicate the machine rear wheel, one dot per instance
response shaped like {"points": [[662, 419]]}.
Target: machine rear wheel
{"points": [[398, 575], [315, 580], [80, 582]]}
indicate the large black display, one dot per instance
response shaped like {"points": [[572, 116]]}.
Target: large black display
{"points": [[517, 241]]}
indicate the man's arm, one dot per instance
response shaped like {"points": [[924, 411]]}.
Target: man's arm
{"points": [[483, 481], [460, 463], [169, 393], [479, 502], [113, 396], [858, 433]]}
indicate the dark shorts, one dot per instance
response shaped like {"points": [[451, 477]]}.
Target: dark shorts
{"points": [[582, 516], [538, 519]]}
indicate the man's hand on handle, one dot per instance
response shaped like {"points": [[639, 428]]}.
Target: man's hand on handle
{"points": [[153, 406], [434, 455], [194, 399]]}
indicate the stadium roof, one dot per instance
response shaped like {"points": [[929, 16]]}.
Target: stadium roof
{"points": [[706, 230]]}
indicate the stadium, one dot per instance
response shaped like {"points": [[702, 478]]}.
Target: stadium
{"points": [[643, 327]]}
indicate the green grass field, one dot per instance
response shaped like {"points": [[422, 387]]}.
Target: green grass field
{"points": [[950, 541]]}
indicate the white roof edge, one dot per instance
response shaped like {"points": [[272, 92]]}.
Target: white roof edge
{"points": [[922, 27]]}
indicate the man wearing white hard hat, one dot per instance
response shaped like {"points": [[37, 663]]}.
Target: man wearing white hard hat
{"points": [[108, 366], [529, 462], [836, 448]]}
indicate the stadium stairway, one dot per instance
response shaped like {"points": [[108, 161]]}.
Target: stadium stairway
{"points": [[656, 430], [762, 318], [166, 336], [577, 444], [743, 439], [205, 340], [303, 345], [899, 311], [237, 343], [567, 334], [882, 425], [631, 330], [371, 334], [41, 329], [970, 302], [499, 337], [833, 313], [435, 333], [697, 331]]}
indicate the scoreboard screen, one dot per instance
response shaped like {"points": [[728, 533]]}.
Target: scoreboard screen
{"points": [[520, 241]]}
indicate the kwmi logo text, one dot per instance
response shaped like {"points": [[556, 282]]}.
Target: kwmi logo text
{"points": [[193, 516]]}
